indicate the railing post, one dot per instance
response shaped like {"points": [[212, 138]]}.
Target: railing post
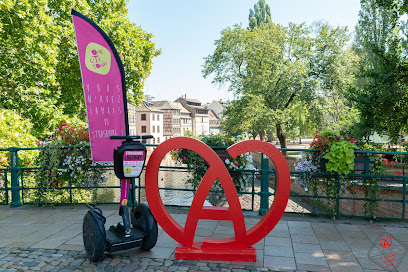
{"points": [[367, 163], [338, 197], [14, 169], [264, 207], [404, 191]]}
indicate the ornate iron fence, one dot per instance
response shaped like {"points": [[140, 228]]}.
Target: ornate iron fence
{"points": [[17, 187]]}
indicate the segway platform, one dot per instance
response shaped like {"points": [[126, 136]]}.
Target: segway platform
{"points": [[97, 240], [116, 239]]}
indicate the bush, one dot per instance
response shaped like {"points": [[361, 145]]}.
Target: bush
{"points": [[63, 167]]}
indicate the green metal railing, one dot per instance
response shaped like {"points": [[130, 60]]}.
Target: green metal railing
{"points": [[13, 189]]}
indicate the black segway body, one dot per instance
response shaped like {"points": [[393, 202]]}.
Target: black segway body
{"points": [[143, 233], [138, 228]]}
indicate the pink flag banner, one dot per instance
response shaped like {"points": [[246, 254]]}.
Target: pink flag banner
{"points": [[103, 80]]}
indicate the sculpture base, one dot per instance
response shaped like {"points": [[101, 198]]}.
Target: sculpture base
{"points": [[197, 253]]}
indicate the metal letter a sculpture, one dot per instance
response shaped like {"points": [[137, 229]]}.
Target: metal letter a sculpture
{"points": [[236, 248]]}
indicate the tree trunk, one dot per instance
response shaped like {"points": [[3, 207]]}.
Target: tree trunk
{"points": [[261, 135], [270, 136], [282, 138]]}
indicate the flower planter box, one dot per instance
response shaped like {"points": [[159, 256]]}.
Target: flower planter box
{"points": [[360, 164]]}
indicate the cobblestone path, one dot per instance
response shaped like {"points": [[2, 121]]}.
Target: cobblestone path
{"points": [[31, 259]]}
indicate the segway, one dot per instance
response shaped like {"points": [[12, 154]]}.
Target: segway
{"points": [[137, 229]]}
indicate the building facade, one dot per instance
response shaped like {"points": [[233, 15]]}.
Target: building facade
{"points": [[218, 107], [214, 123], [132, 119], [149, 121], [199, 114], [172, 118], [186, 121]]}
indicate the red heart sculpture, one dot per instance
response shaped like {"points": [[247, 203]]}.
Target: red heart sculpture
{"points": [[233, 248]]}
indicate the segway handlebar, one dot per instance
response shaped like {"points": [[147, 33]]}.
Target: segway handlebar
{"points": [[129, 137]]}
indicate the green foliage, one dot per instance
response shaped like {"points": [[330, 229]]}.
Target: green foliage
{"points": [[269, 63], [380, 94], [60, 167], [189, 133], [303, 119], [260, 14], [15, 132], [338, 152], [39, 68], [334, 67], [247, 114], [340, 157]]}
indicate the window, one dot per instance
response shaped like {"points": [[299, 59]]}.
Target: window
{"points": [[143, 129], [143, 117], [144, 141], [154, 129], [153, 116], [158, 140], [158, 129], [158, 117], [154, 140]]}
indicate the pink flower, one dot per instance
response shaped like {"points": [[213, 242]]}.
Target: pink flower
{"points": [[236, 163], [388, 164], [352, 140], [392, 163], [52, 174], [397, 172]]}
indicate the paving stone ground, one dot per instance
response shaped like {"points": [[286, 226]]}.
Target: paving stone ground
{"points": [[50, 239], [34, 259]]}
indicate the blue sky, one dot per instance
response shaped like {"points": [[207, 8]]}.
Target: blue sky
{"points": [[185, 30]]}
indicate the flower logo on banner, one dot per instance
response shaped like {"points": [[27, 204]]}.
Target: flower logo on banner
{"points": [[97, 58]]}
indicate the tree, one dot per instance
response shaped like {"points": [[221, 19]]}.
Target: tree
{"points": [[249, 113], [260, 14], [401, 5], [334, 67], [133, 44], [39, 63], [304, 119], [27, 60], [269, 61], [14, 131], [376, 30], [381, 94]]}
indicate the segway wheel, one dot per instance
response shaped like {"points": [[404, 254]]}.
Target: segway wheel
{"points": [[94, 241], [143, 219], [150, 240]]}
